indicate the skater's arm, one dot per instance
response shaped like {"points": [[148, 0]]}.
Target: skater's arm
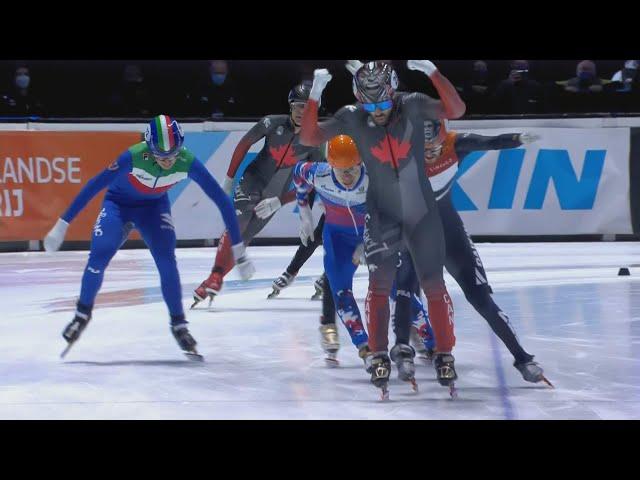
{"points": [[313, 133], [121, 166], [258, 131], [470, 142], [288, 197], [199, 174], [450, 104], [303, 177]]}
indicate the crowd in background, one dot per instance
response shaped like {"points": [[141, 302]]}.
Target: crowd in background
{"points": [[221, 89]]}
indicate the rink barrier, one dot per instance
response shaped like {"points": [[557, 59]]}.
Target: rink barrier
{"points": [[617, 219]]}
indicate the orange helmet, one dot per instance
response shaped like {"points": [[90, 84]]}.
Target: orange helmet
{"points": [[342, 152]]}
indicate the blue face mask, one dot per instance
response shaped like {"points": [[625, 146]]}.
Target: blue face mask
{"points": [[22, 81], [218, 78], [585, 75]]}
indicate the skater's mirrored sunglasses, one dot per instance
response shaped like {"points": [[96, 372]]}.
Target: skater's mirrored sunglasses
{"points": [[297, 105], [372, 107]]}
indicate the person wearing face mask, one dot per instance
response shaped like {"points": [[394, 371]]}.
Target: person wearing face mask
{"points": [[20, 100], [267, 178], [218, 97], [476, 91], [132, 98], [627, 76], [137, 183], [586, 79], [519, 93]]}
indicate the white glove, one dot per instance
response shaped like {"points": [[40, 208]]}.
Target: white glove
{"points": [[55, 237], [425, 66], [353, 66], [306, 225], [527, 138], [227, 185], [267, 207], [244, 264], [358, 255], [320, 79]]}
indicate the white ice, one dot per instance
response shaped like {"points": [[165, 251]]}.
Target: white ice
{"points": [[263, 357]]}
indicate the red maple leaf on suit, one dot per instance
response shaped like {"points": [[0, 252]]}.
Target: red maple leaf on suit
{"points": [[284, 157], [390, 149]]}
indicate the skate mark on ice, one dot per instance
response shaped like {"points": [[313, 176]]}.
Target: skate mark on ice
{"points": [[144, 363], [502, 384]]}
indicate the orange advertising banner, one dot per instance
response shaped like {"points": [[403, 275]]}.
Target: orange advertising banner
{"points": [[42, 172]]}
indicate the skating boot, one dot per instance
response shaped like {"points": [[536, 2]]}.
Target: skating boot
{"points": [[209, 288], [532, 372], [280, 283], [402, 355], [380, 371], [446, 371], [425, 354], [364, 352], [186, 342], [72, 332], [330, 343], [319, 286]]}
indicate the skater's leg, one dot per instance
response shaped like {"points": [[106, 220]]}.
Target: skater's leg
{"points": [[382, 241], [328, 305], [156, 227], [105, 241], [425, 243], [465, 266], [249, 225], [406, 285], [304, 253], [340, 269]]}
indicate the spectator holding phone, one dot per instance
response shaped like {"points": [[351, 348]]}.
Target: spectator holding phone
{"points": [[519, 93]]}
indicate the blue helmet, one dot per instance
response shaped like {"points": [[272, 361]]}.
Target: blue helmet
{"points": [[164, 136]]}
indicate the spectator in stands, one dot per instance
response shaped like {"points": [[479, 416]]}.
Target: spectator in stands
{"points": [[627, 76], [586, 79], [476, 91], [519, 93], [218, 96], [20, 100], [132, 98]]}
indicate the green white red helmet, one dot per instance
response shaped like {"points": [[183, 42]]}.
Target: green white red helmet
{"points": [[164, 136]]}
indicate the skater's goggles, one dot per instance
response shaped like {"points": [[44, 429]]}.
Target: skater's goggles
{"points": [[372, 107]]}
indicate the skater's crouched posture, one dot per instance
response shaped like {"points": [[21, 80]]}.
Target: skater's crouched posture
{"points": [[137, 183], [267, 177], [341, 184]]}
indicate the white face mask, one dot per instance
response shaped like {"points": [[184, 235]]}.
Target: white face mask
{"points": [[23, 80]]}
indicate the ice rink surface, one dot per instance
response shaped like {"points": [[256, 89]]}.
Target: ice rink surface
{"points": [[263, 357]]}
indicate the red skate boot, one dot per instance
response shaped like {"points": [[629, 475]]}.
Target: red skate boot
{"points": [[209, 288]]}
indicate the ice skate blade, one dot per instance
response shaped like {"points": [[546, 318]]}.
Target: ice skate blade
{"points": [[384, 393], [194, 357], [273, 294], [331, 362], [414, 385], [545, 380], [66, 350], [315, 296], [453, 391]]}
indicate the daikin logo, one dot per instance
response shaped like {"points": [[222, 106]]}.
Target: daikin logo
{"points": [[575, 190]]}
